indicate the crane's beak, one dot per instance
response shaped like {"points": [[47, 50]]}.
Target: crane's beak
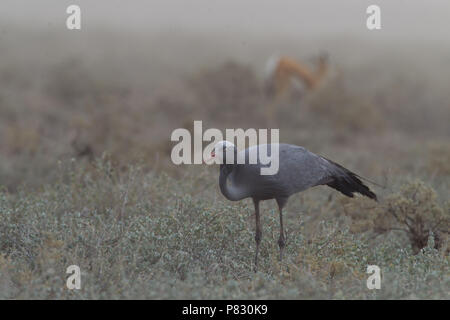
{"points": [[211, 159]]}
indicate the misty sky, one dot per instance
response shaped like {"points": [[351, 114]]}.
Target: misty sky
{"points": [[406, 18]]}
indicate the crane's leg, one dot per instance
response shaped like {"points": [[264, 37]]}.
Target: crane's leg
{"points": [[281, 240], [258, 231], [280, 85]]}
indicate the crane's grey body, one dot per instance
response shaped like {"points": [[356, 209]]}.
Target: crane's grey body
{"points": [[299, 169]]}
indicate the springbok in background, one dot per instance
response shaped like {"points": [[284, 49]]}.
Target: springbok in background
{"points": [[281, 71]]}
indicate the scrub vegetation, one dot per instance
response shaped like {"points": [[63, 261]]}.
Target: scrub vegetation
{"points": [[86, 177]]}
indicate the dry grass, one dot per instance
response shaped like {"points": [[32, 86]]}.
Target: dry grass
{"points": [[414, 211], [137, 235]]}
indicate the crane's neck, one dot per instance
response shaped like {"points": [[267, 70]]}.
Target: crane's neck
{"points": [[229, 190]]}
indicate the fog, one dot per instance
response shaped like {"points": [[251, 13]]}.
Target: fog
{"points": [[411, 19], [86, 169]]}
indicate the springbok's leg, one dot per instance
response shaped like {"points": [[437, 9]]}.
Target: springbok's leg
{"points": [[281, 240], [280, 85], [258, 231], [270, 113]]}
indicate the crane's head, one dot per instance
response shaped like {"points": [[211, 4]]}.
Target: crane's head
{"points": [[222, 150]]}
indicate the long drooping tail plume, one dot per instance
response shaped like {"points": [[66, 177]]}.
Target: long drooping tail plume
{"points": [[348, 182]]}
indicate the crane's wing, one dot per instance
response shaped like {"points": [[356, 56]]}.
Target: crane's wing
{"points": [[301, 169]]}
